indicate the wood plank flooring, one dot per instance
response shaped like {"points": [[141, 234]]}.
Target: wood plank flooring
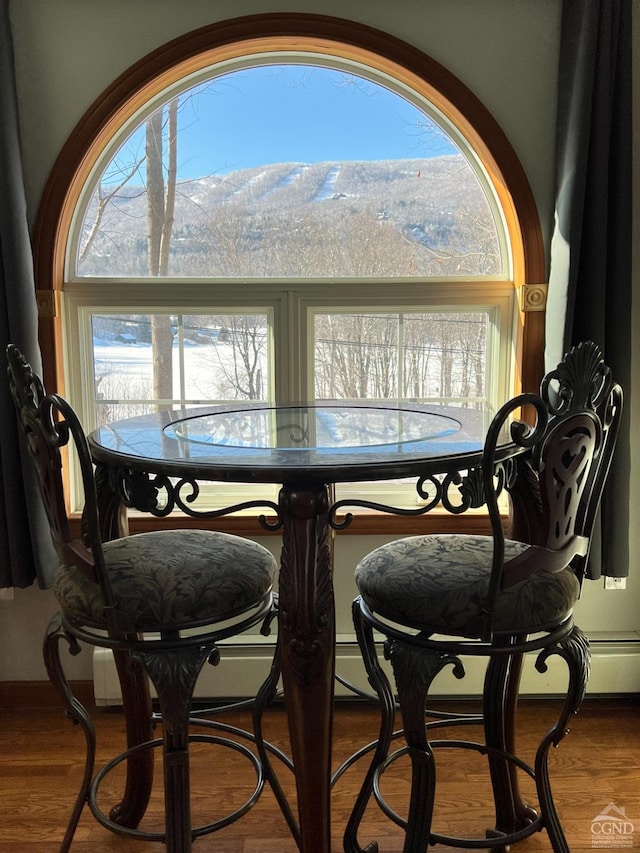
{"points": [[41, 755]]}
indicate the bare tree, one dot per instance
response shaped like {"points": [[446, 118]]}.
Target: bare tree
{"points": [[160, 213], [103, 200], [243, 369]]}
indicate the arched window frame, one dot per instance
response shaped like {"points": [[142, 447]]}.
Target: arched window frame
{"points": [[301, 33]]}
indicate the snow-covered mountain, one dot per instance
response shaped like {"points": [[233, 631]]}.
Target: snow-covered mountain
{"points": [[346, 218]]}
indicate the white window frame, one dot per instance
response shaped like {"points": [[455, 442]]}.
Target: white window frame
{"points": [[291, 307]]}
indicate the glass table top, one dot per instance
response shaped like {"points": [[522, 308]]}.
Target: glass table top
{"points": [[323, 427], [332, 441]]}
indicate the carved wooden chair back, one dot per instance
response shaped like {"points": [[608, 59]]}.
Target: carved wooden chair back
{"points": [[49, 424], [561, 452], [582, 382]]}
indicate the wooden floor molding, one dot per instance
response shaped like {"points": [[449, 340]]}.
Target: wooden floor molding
{"points": [[596, 768], [15, 695]]}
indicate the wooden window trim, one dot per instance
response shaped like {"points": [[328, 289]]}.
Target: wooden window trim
{"points": [[305, 33]]}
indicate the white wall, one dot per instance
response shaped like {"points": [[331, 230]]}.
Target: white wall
{"points": [[67, 53]]}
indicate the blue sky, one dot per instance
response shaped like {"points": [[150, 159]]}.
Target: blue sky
{"points": [[295, 113]]}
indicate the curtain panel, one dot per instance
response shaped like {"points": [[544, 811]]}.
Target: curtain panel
{"points": [[590, 274], [26, 550]]}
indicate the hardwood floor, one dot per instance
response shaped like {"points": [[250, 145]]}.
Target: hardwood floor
{"points": [[41, 755]]}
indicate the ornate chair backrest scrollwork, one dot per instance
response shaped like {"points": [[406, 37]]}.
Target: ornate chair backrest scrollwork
{"points": [[581, 381], [48, 423], [562, 451]]}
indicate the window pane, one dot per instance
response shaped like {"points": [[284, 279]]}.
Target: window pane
{"points": [[433, 356], [106, 412], [227, 357], [445, 356], [289, 171], [356, 356], [144, 359], [123, 357]]}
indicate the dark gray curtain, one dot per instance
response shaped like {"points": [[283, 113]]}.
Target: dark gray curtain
{"points": [[26, 551], [590, 276]]}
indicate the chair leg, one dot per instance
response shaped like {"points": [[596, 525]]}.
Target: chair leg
{"points": [[264, 698], [174, 675], [576, 652], [512, 692], [500, 700], [74, 710], [414, 670], [137, 709], [380, 684]]}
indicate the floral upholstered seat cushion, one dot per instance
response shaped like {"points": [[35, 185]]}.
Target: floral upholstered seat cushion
{"points": [[439, 583], [171, 579]]}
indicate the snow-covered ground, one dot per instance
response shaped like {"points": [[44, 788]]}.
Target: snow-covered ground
{"points": [[204, 372]]}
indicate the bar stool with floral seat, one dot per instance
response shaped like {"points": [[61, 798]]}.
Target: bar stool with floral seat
{"points": [[165, 598], [437, 598]]}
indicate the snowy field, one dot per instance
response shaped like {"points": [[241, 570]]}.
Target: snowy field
{"points": [[202, 372]]}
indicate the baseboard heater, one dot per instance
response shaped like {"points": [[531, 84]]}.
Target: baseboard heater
{"points": [[615, 669]]}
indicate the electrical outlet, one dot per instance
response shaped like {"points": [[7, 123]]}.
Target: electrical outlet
{"points": [[615, 583]]}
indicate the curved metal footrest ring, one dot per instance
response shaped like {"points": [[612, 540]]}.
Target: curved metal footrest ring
{"points": [[493, 838], [198, 831], [266, 751], [216, 725]]}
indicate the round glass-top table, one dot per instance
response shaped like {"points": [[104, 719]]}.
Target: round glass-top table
{"points": [[328, 441], [156, 462]]}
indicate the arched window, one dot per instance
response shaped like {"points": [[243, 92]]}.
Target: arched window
{"points": [[289, 207]]}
